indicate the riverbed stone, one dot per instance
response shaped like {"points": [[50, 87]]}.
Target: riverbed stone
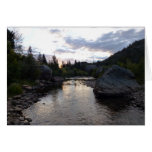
{"points": [[21, 118], [17, 109], [15, 102], [16, 122], [27, 87], [26, 122], [28, 119], [17, 97]]}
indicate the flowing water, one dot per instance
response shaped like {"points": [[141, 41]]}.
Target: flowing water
{"points": [[74, 103]]}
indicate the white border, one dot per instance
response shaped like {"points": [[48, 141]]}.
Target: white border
{"points": [[74, 13]]}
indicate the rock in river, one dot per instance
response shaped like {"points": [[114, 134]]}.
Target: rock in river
{"points": [[58, 79], [116, 81], [45, 72]]}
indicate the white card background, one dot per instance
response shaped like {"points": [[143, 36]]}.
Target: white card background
{"points": [[148, 76], [75, 138]]}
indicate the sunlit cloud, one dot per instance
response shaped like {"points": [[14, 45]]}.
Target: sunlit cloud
{"points": [[82, 44], [111, 42], [61, 51]]}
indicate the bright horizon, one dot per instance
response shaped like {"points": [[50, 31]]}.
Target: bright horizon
{"points": [[78, 43]]}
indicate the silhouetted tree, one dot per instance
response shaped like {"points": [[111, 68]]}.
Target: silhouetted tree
{"points": [[63, 64], [44, 61], [10, 40], [39, 58], [29, 51], [69, 64]]}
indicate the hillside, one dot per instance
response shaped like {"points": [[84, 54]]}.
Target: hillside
{"points": [[131, 57], [134, 52]]}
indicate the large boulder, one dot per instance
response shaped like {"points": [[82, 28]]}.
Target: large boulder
{"points": [[90, 67], [58, 79], [99, 71], [116, 81], [45, 72]]}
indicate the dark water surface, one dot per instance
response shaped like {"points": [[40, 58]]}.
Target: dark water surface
{"points": [[75, 104]]}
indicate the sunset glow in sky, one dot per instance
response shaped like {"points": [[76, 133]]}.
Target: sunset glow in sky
{"points": [[79, 43]]}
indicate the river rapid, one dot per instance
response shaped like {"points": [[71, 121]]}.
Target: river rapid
{"points": [[74, 103]]}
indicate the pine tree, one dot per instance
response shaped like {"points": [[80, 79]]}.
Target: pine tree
{"points": [[75, 63], [69, 63], [55, 62], [10, 40], [44, 59], [29, 50], [63, 64], [40, 58]]}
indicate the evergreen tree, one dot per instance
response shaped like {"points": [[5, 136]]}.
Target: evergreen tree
{"points": [[69, 64], [44, 61], [62, 65], [40, 58], [10, 40], [55, 62], [29, 50], [75, 62]]}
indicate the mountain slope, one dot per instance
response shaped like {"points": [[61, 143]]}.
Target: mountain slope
{"points": [[134, 52]]}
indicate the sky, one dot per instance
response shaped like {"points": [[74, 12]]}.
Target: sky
{"points": [[88, 44]]}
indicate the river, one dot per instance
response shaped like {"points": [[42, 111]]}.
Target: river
{"points": [[74, 103]]}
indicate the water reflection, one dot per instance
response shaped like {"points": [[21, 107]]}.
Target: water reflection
{"points": [[75, 104], [114, 104]]}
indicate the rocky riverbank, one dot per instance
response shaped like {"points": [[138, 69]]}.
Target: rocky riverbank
{"points": [[137, 98], [30, 95]]}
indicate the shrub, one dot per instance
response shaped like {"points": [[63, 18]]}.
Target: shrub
{"points": [[136, 68], [14, 89]]}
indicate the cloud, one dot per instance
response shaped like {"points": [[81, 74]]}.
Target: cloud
{"points": [[98, 57], [54, 31], [109, 42], [60, 51]]}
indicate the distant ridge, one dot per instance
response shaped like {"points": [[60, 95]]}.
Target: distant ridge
{"points": [[134, 52]]}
